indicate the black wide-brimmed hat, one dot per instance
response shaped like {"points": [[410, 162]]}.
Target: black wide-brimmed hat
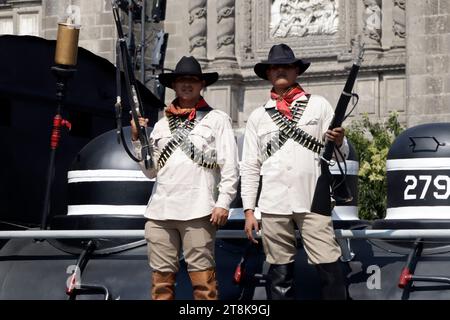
{"points": [[187, 66], [280, 54]]}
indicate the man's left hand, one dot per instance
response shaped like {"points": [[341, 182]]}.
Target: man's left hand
{"points": [[336, 135], [219, 216]]}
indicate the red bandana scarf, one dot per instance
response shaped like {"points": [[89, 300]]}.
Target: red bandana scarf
{"points": [[285, 100], [175, 109]]}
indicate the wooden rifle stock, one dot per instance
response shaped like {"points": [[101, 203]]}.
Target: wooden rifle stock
{"points": [[321, 203]]}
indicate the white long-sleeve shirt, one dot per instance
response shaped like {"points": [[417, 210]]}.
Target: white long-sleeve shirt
{"points": [[185, 190], [290, 174]]}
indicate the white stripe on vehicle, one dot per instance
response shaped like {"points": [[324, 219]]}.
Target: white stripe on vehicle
{"points": [[91, 209], [418, 164], [106, 175], [345, 213], [419, 212]]}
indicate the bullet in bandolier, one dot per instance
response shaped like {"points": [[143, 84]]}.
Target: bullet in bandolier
{"points": [[279, 125], [290, 131], [297, 134], [163, 159], [318, 148], [302, 138], [164, 151], [181, 130], [184, 145], [284, 126], [213, 156], [169, 146], [192, 151], [212, 159], [180, 138], [317, 141], [160, 159], [197, 156], [306, 139], [308, 143], [277, 117], [278, 122], [282, 137]]}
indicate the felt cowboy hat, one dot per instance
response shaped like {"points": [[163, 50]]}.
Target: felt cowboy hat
{"points": [[280, 54], [187, 66]]}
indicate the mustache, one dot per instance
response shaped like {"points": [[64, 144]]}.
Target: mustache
{"points": [[281, 74]]}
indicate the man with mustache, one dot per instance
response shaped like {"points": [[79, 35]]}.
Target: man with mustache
{"points": [[196, 169], [282, 142]]}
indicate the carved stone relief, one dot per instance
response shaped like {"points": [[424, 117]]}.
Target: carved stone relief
{"points": [[399, 17], [372, 21], [225, 29], [197, 29], [300, 18], [312, 28]]}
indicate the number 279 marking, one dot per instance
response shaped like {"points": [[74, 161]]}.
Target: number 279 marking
{"points": [[441, 183]]}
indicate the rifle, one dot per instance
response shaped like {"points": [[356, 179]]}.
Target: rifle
{"points": [[321, 203], [133, 95]]}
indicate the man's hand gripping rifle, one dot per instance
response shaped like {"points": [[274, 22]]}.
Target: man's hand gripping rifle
{"points": [[133, 95]]}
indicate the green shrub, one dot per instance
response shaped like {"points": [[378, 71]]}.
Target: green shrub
{"points": [[372, 141]]}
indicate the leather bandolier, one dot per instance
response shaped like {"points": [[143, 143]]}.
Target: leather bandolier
{"points": [[288, 130], [180, 131]]}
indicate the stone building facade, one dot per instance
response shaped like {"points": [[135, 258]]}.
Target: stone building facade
{"points": [[41, 17], [406, 64]]}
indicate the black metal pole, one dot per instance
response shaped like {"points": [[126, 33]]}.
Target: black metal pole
{"points": [[143, 42], [62, 76]]}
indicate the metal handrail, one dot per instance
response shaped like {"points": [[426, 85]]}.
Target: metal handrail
{"points": [[222, 234]]}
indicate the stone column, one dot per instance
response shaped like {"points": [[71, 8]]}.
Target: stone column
{"points": [[226, 30], [226, 94], [197, 30], [428, 61]]}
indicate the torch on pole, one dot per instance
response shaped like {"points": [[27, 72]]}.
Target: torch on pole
{"points": [[64, 68]]}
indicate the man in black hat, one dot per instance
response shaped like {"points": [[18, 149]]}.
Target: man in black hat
{"points": [[281, 144], [196, 170]]}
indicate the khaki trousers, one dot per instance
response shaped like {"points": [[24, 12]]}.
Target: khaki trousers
{"points": [[166, 239], [279, 241]]}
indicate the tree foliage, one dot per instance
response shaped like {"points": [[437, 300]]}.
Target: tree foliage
{"points": [[372, 141]]}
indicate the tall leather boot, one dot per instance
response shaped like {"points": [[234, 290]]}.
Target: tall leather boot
{"points": [[204, 284], [281, 277], [332, 281], [163, 285]]}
